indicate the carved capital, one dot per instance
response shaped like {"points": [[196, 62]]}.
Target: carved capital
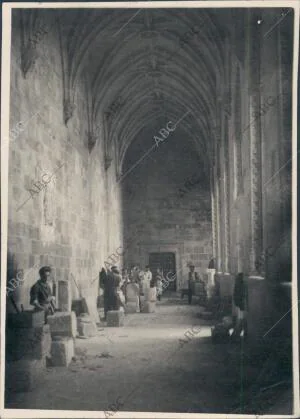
{"points": [[28, 58], [68, 110], [107, 161], [92, 139]]}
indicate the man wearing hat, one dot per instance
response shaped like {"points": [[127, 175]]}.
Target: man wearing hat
{"points": [[40, 293]]}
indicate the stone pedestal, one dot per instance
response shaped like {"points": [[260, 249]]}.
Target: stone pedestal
{"points": [[149, 307], [86, 327], [226, 285], [115, 318], [28, 343], [63, 324], [79, 306], [26, 319], [62, 352], [24, 375], [64, 296]]}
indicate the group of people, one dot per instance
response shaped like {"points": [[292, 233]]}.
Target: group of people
{"points": [[114, 285]]}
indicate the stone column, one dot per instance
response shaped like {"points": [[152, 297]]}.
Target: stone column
{"points": [[213, 213], [218, 224], [226, 202], [254, 41], [64, 295]]}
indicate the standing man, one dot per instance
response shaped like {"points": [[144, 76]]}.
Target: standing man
{"points": [[193, 277], [103, 279], [40, 293], [147, 278]]}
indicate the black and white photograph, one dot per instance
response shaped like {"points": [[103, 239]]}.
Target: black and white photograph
{"points": [[154, 273]]}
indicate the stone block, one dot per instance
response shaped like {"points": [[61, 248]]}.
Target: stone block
{"points": [[79, 306], [132, 292], [64, 295], [24, 375], [220, 334], [25, 343], [62, 352], [63, 324], [86, 327], [91, 303], [132, 307], [150, 294], [115, 318], [26, 319], [142, 300], [149, 307]]}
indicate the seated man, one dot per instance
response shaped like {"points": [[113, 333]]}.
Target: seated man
{"points": [[40, 293]]}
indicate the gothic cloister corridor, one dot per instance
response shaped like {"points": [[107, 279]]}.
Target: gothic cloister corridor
{"points": [[162, 371], [157, 137]]}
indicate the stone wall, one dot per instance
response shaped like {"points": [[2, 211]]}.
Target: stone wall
{"points": [[65, 224], [167, 199]]}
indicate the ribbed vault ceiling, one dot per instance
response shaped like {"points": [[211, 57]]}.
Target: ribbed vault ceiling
{"points": [[138, 55]]}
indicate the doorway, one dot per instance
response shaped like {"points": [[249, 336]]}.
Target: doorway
{"points": [[167, 263]]}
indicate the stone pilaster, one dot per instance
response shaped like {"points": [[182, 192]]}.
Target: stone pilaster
{"points": [[285, 124], [218, 225], [213, 213], [254, 38], [226, 185]]}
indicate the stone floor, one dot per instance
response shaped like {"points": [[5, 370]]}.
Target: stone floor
{"points": [[149, 365]]}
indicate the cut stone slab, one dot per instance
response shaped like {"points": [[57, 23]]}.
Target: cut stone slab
{"points": [[86, 327], [26, 319], [28, 343], [115, 318], [24, 375], [62, 352], [63, 324], [149, 307], [64, 295]]}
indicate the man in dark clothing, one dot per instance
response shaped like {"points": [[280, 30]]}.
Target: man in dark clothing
{"points": [[103, 279], [40, 293], [193, 277], [113, 281], [239, 299]]}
